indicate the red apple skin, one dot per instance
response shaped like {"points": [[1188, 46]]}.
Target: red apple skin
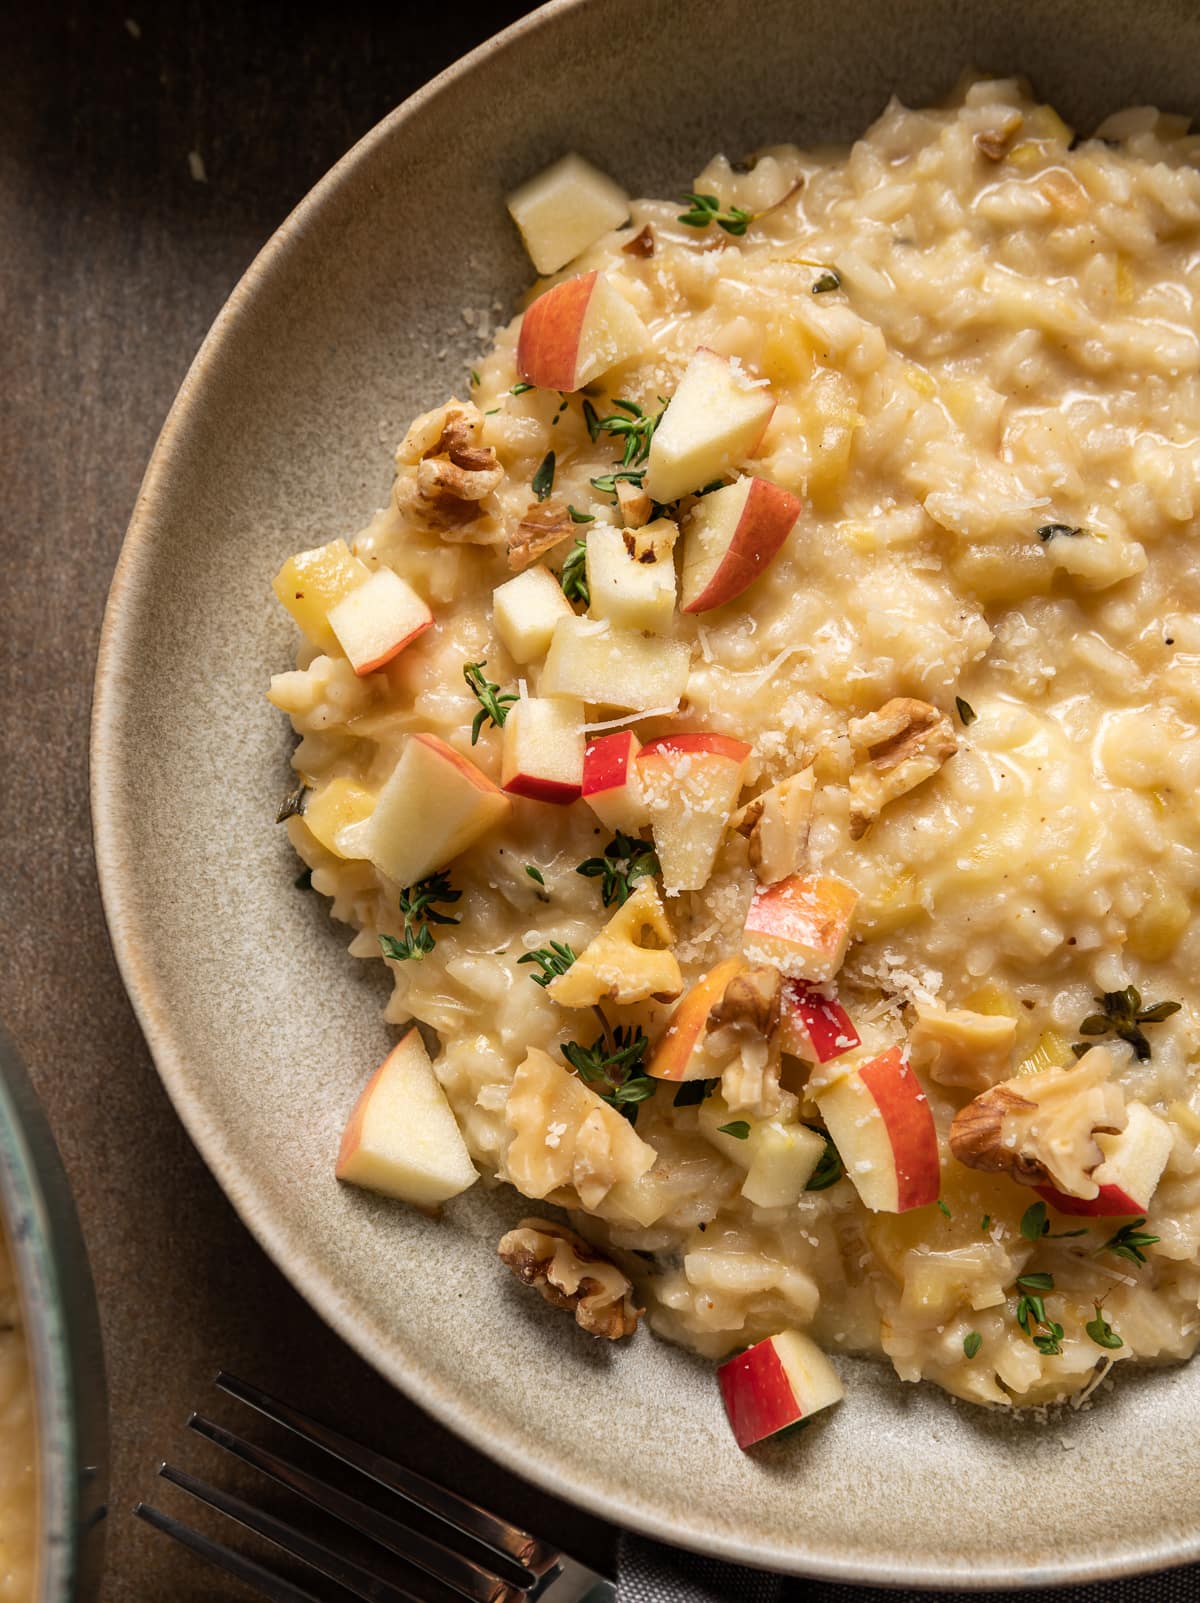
{"points": [[825, 1022], [607, 760], [686, 1026], [768, 517], [714, 745], [544, 790], [1109, 1203], [908, 1117], [548, 344], [394, 651], [757, 1394]]}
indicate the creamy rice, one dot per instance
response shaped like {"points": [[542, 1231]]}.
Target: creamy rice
{"points": [[1013, 345], [18, 1466]]}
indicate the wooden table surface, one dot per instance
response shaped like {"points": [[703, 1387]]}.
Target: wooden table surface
{"points": [[117, 249]]}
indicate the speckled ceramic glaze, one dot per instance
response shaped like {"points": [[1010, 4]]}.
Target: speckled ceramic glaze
{"points": [[347, 324]]}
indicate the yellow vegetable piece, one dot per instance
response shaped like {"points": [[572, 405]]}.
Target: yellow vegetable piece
{"points": [[1051, 1052], [330, 809], [311, 582]]}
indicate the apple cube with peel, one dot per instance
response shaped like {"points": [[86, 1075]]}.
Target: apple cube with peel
{"points": [[564, 209], [312, 582], [433, 806], [730, 538], [1134, 1160], [776, 1383], [610, 782], [525, 611], [678, 1054], [801, 926], [402, 1138], [576, 331], [716, 418], [628, 591], [378, 619], [813, 1025], [879, 1118], [596, 662], [543, 749], [691, 785]]}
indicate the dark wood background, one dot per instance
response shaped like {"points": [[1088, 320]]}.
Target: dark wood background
{"points": [[114, 259]]}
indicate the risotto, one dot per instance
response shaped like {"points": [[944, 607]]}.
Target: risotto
{"points": [[18, 1468], [761, 736]]}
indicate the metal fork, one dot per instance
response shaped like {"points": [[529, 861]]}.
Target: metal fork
{"points": [[474, 1554]]}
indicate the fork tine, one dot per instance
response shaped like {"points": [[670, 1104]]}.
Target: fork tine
{"points": [[264, 1581], [357, 1581], [458, 1512], [474, 1582]]}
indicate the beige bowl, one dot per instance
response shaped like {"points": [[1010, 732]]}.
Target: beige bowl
{"points": [[348, 323]]}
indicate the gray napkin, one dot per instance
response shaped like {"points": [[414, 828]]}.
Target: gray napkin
{"points": [[648, 1572]]}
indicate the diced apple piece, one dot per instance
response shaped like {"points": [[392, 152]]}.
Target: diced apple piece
{"points": [[377, 620], [596, 662], [564, 209], [575, 332], [626, 589], [435, 804], [716, 418], [784, 1161], [543, 749], [691, 785], [402, 1138], [812, 1025], [312, 582], [525, 611], [610, 783], [334, 807], [775, 1384], [881, 1123], [1134, 1160], [678, 1055], [777, 825], [801, 926], [730, 537]]}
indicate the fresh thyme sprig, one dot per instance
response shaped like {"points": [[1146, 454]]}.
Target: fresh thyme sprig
{"points": [[1129, 1241], [626, 859], [829, 1169], [293, 804], [573, 577], [705, 209], [416, 904], [493, 702], [614, 1067], [553, 960], [632, 424], [1045, 1334], [607, 482], [1124, 1015]]}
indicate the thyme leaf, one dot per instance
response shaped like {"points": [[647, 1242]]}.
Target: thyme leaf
{"points": [[573, 577], [293, 804], [1123, 1015], [1129, 1241], [829, 1169], [552, 960], [827, 281], [493, 702], [535, 874], [693, 1092], [972, 1342], [520, 388], [543, 480], [737, 1128], [966, 712], [607, 482], [1051, 531], [1101, 1332], [633, 425], [626, 859], [580, 517], [705, 209]]}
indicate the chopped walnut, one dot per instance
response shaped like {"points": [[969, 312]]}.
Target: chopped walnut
{"points": [[571, 1274], [642, 244], [545, 524], [652, 543], [750, 998], [627, 961], [564, 1135], [905, 743], [776, 824], [1042, 1128], [995, 143], [443, 474], [634, 505], [959, 1047]]}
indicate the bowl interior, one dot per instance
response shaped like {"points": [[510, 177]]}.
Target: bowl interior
{"points": [[350, 322]]}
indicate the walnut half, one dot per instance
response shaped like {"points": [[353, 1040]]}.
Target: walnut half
{"points": [[571, 1274], [443, 474], [1041, 1128], [904, 743]]}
